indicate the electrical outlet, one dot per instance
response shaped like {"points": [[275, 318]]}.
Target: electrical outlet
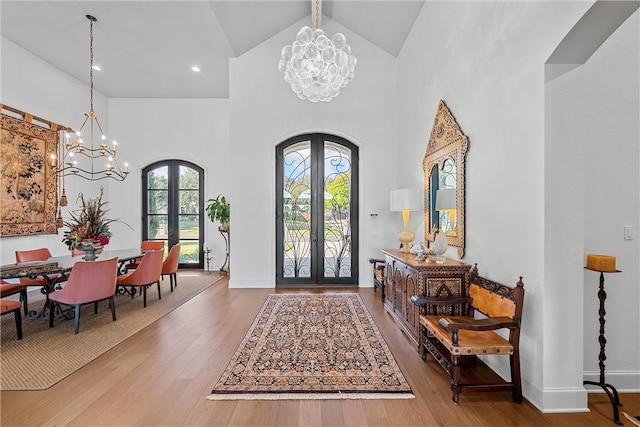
{"points": [[628, 232]]}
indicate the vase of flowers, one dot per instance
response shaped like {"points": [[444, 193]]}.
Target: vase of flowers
{"points": [[90, 248], [88, 227]]}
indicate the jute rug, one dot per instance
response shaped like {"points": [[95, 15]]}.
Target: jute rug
{"points": [[320, 346], [46, 355]]}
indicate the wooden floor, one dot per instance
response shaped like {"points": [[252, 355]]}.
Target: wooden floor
{"points": [[162, 375]]}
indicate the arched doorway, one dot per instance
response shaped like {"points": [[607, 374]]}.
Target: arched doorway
{"points": [[172, 208], [316, 211]]}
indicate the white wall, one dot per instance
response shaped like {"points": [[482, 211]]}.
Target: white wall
{"points": [[265, 112], [611, 201], [147, 130], [592, 165], [564, 207], [196, 130], [486, 61], [34, 86]]}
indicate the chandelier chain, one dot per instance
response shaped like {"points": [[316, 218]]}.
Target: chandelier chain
{"points": [[91, 60], [317, 14]]}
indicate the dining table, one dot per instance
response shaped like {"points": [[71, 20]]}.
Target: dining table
{"points": [[55, 271]]}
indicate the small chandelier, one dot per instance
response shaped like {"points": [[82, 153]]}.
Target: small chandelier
{"points": [[315, 66], [95, 160]]}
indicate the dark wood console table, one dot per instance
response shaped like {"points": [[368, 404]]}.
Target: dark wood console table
{"points": [[406, 277]]}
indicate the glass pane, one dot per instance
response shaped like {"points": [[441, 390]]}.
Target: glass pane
{"points": [[189, 251], [158, 178], [189, 226], [157, 227], [448, 175], [337, 211], [189, 178], [157, 201], [189, 201], [297, 210]]}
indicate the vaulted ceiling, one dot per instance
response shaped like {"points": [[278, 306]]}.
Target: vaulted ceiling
{"points": [[146, 48]]}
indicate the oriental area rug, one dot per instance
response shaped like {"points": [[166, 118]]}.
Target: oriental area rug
{"points": [[312, 346], [46, 355]]}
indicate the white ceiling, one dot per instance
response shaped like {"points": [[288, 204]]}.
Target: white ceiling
{"points": [[146, 48]]}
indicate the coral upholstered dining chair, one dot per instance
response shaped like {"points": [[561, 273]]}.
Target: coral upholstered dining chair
{"points": [[152, 245], [146, 274], [41, 254], [146, 245], [12, 306], [33, 255], [170, 265], [89, 282], [7, 289]]}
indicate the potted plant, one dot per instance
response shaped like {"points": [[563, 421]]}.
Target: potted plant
{"points": [[218, 210]]}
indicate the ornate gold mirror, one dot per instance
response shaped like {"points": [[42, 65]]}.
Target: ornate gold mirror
{"points": [[444, 166]]}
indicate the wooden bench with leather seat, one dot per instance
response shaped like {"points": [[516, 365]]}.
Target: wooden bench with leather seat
{"points": [[454, 339]]}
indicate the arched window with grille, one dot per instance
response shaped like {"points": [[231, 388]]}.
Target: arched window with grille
{"points": [[173, 208]]}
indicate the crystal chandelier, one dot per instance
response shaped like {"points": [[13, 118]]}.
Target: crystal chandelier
{"points": [[94, 160], [315, 66]]}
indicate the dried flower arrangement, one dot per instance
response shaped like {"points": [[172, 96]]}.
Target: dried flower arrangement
{"points": [[88, 224]]}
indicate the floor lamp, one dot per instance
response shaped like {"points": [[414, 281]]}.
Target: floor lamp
{"points": [[405, 201]]}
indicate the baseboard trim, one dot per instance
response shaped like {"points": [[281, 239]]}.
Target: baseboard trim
{"points": [[556, 400], [247, 284], [623, 381]]}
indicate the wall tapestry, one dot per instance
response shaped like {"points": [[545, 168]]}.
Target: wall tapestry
{"points": [[29, 190]]}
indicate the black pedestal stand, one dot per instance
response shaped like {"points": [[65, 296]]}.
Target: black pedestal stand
{"points": [[227, 238], [608, 388]]}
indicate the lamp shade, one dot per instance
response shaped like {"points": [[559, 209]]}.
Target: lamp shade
{"points": [[446, 199], [405, 199]]}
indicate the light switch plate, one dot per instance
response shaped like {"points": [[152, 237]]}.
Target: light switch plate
{"points": [[628, 232]]}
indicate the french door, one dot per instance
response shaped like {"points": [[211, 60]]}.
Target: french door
{"points": [[172, 207], [316, 211]]}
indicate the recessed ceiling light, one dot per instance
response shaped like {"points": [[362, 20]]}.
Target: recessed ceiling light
{"points": [[195, 69], [97, 68]]}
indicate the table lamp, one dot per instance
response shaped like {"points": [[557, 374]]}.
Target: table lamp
{"points": [[405, 201], [446, 201]]}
